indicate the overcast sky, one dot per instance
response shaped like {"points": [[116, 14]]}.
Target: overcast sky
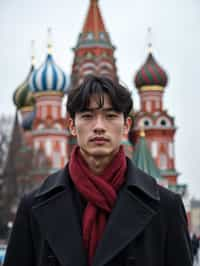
{"points": [[176, 46]]}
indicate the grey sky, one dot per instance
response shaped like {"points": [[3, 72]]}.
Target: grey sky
{"points": [[176, 46]]}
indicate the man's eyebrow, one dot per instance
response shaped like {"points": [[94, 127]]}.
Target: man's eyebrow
{"points": [[103, 109]]}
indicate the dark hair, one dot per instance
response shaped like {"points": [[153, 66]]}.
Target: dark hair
{"points": [[78, 98]]}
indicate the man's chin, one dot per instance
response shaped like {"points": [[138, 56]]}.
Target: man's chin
{"points": [[100, 151]]}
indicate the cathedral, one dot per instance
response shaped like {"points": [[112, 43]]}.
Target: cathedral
{"points": [[41, 142]]}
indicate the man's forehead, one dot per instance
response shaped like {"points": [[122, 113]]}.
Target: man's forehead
{"points": [[95, 100]]}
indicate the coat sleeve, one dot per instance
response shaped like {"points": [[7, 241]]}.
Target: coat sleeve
{"points": [[179, 248], [20, 247]]}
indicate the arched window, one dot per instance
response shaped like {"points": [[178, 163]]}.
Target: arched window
{"points": [[55, 112], [63, 147], [154, 148], [145, 122], [44, 112], [148, 106], [171, 149], [90, 36], [40, 126], [57, 126], [163, 122], [36, 145], [157, 104], [48, 147], [163, 161], [102, 35], [56, 160]]}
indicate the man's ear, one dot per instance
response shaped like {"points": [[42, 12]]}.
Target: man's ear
{"points": [[127, 125], [72, 127]]}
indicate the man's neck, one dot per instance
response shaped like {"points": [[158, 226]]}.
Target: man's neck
{"points": [[97, 164]]}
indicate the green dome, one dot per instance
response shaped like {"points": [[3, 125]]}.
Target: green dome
{"points": [[23, 96], [143, 159]]}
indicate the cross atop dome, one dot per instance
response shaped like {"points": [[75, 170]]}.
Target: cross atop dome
{"points": [[33, 53], [149, 37], [49, 41]]}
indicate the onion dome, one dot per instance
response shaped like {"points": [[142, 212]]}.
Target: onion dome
{"points": [[48, 77], [23, 96], [28, 119], [150, 74]]}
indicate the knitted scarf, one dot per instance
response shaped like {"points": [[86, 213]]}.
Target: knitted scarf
{"points": [[100, 191]]}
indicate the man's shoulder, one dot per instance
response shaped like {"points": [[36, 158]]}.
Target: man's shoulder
{"points": [[50, 183], [170, 202], [167, 197]]}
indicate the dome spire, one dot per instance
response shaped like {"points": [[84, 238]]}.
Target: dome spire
{"points": [[33, 53], [49, 41], [149, 40], [48, 77]]}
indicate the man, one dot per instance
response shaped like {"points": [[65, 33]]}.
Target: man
{"points": [[195, 247], [100, 210]]}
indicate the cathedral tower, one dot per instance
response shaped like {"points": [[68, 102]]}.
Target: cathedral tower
{"points": [[48, 84], [94, 52], [150, 81]]}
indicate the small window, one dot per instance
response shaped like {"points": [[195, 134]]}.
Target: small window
{"points": [[163, 123], [55, 112], [56, 160], [90, 36], [148, 106], [102, 35], [40, 126], [57, 126], [154, 148], [163, 161], [146, 123]]}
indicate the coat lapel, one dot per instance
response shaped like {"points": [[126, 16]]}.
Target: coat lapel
{"points": [[58, 219], [129, 217]]}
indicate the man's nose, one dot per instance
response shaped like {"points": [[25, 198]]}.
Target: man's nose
{"points": [[99, 125]]}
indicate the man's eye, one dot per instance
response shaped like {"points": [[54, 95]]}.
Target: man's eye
{"points": [[111, 115], [87, 115]]}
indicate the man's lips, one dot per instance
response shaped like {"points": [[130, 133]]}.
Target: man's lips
{"points": [[99, 139]]}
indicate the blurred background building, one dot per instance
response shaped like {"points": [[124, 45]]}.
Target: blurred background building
{"points": [[195, 216]]}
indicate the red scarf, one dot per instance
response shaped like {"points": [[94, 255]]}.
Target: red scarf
{"points": [[100, 193]]}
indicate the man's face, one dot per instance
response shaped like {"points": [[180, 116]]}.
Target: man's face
{"points": [[99, 131]]}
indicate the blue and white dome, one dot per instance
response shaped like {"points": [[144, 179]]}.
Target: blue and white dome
{"points": [[48, 77]]}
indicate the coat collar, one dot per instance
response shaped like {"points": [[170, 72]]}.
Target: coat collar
{"points": [[135, 178], [54, 182], [142, 181]]}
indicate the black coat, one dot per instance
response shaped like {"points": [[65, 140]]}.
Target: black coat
{"points": [[147, 227]]}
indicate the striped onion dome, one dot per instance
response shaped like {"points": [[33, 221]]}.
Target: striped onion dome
{"points": [[23, 96], [150, 74], [48, 77], [28, 119]]}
